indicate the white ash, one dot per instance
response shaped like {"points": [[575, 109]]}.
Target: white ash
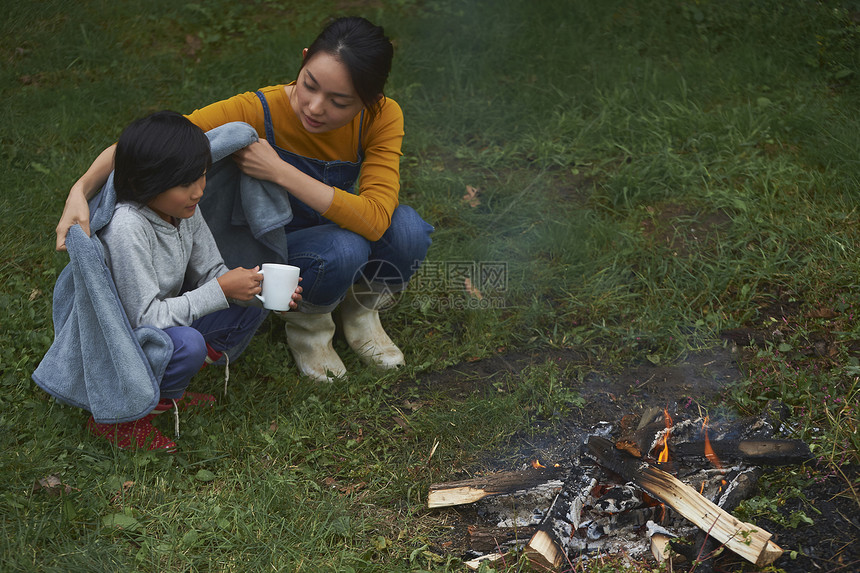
{"points": [[521, 508]]}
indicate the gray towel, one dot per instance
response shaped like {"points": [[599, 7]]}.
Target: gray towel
{"points": [[247, 216], [97, 362]]}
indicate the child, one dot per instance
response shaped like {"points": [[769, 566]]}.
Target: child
{"points": [[166, 266]]}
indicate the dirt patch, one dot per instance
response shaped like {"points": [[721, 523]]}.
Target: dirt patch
{"points": [[829, 544]]}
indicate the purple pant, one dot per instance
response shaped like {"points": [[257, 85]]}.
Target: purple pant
{"points": [[222, 330]]}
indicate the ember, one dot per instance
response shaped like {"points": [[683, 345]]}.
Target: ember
{"points": [[613, 500]]}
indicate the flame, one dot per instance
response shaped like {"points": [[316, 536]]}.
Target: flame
{"points": [[664, 455], [709, 451], [537, 465]]}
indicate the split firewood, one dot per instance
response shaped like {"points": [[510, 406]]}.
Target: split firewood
{"points": [[472, 490], [705, 547], [490, 558], [544, 548], [750, 542], [660, 547]]}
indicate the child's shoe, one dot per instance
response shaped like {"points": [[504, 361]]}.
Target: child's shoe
{"points": [[212, 356], [130, 435]]}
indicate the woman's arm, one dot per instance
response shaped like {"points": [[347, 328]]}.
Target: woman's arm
{"points": [[261, 161], [77, 210], [367, 213]]}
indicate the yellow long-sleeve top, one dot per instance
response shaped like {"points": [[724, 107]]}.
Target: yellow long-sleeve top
{"points": [[368, 212]]}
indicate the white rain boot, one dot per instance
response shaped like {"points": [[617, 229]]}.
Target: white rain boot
{"points": [[309, 338], [363, 330]]}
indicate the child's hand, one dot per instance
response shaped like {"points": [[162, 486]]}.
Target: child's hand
{"points": [[241, 284]]}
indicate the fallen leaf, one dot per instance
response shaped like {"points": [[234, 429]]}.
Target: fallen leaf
{"points": [[823, 313], [414, 405], [472, 290], [471, 196], [34, 294], [52, 485], [125, 487]]}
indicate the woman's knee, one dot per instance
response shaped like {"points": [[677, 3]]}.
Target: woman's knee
{"points": [[329, 265], [406, 242]]}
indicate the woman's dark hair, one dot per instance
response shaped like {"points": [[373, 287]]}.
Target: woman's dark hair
{"points": [[157, 152], [366, 52]]}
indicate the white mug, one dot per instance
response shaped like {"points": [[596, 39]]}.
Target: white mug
{"points": [[279, 284]]}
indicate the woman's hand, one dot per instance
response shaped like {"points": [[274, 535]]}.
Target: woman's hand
{"points": [[260, 161], [76, 211], [240, 283]]}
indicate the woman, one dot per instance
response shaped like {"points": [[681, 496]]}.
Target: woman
{"points": [[354, 246]]}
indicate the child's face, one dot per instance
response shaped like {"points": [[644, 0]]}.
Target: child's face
{"points": [[324, 97], [178, 202]]}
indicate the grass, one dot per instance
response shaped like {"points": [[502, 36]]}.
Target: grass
{"points": [[649, 175]]}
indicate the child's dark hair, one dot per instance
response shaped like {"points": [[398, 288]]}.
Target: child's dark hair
{"points": [[366, 52], [158, 152]]}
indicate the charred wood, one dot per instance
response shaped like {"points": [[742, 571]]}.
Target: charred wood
{"points": [[759, 452], [495, 538]]}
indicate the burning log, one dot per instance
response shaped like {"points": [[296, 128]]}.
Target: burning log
{"points": [[472, 490], [750, 542], [759, 452]]}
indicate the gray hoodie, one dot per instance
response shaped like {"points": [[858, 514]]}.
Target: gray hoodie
{"points": [[165, 275]]}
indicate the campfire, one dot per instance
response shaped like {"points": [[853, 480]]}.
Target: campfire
{"points": [[631, 488]]}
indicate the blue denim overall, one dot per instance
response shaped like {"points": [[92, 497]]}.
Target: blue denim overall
{"points": [[331, 258]]}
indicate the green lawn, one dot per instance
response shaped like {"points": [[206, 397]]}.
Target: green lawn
{"points": [[646, 175]]}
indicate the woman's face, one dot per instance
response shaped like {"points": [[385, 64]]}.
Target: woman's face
{"points": [[324, 98]]}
